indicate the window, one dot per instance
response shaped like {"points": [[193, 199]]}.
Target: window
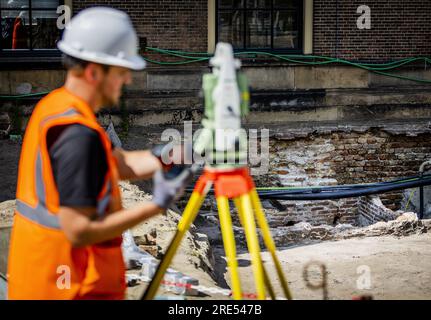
{"points": [[274, 25], [29, 27]]}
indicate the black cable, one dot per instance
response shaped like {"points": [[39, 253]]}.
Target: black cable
{"points": [[342, 187], [325, 195], [334, 188]]}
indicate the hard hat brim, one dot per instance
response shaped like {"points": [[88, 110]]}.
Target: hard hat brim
{"points": [[132, 62]]}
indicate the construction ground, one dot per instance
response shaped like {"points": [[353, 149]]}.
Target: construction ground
{"points": [[341, 90], [385, 260]]}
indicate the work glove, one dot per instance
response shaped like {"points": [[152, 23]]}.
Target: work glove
{"points": [[169, 186]]}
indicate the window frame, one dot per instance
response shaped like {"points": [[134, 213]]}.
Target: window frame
{"points": [[12, 59], [301, 22]]}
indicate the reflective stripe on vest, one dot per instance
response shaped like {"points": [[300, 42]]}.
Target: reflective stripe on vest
{"points": [[103, 203], [40, 214]]}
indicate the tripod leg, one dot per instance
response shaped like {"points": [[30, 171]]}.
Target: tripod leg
{"points": [[188, 217], [253, 244], [265, 273], [268, 282], [269, 242], [229, 245]]}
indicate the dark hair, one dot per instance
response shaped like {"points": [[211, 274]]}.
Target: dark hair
{"points": [[70, 62]]}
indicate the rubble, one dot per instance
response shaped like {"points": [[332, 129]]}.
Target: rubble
{"points": [[133, 256], [303, 232], [406, 224], [394, 128], [152, 237]]}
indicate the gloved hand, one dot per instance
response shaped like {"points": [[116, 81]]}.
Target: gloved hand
{"points": [[169, 186]]}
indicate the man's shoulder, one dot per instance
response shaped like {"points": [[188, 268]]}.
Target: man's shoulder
{"points": [[80, 130], [73, 137]]}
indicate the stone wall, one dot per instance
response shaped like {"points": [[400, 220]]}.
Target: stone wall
{"points": [[336, 158]]}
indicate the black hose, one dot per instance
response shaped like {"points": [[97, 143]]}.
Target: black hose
{"points": [[347, 186], [325, 195], [343, 191]]}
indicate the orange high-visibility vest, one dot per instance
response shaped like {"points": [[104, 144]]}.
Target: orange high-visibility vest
{"points": [[43, 264]]}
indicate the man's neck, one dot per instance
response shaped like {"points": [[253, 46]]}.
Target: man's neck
{"points": [[81, 89]]}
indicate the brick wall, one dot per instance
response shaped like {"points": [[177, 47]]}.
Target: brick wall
{"points": [[341, 158], [398, 29], [372, 210], [168, 24]]}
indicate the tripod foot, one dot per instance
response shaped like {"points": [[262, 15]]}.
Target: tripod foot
{"points": [[229, 245]]}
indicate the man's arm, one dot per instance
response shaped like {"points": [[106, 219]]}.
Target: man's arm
{"points": [[79, 167], [81, 230], [135, 165]]}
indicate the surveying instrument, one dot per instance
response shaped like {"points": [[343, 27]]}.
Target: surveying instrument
{"points": [[226, 101]]}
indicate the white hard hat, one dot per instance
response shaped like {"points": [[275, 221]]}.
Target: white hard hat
{"points": [[102, 35]]}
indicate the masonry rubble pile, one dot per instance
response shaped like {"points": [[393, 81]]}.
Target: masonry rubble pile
{"points": [[406, 224]]}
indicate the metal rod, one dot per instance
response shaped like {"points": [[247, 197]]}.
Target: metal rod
{"points": [[421, 189], [421, 202]]}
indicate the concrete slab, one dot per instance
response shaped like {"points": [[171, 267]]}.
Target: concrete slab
{"points": [[175, 79], [291, 116], [377, 80], [330, 77], [270, 78], [40, 80]]}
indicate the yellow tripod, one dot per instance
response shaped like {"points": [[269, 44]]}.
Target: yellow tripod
{"points": [[235, 184]]}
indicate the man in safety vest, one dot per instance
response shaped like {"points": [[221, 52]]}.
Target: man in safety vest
{"points": [[66, 238]]}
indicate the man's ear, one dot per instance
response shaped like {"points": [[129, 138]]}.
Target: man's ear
{"points": [[92, 73]]}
